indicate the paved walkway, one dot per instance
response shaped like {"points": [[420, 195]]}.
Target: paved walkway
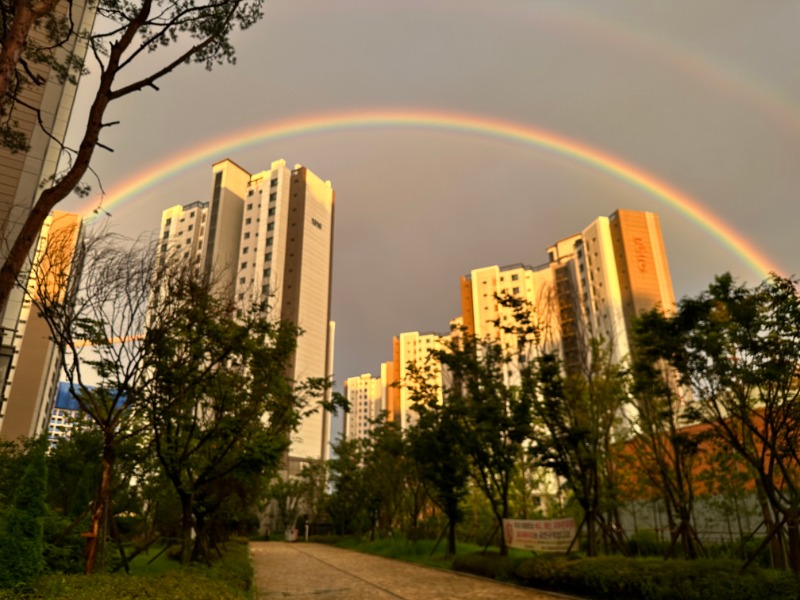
{"points": [[321, 572]]}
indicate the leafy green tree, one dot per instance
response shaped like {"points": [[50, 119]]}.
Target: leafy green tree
{"points": [[22, 525], [385, 469], [286, 500], [578, 415], [668, 451], [74, 465], [495, 415], [738, 349], [315, 496], [726, 478], [437, 445], [13, 460], [304, 496], [220, 406], [346, 505], [94, 299], [530, 496]]}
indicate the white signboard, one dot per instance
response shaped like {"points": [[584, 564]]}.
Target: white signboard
{"points": [[552, 535]]}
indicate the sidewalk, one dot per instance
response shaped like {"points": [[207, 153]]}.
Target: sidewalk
{"points": [[322, 572]]}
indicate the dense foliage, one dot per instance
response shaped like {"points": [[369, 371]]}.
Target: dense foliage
{"points": [[610, 578], [22, 524], [701, 414]]}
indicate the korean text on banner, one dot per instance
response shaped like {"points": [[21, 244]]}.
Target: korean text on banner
{"points": [[552, 535]]}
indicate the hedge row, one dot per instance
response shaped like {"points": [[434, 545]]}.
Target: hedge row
{"points": [[637, 579]]}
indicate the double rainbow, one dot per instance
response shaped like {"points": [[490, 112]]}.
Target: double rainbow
{"points": [[461, 123]]}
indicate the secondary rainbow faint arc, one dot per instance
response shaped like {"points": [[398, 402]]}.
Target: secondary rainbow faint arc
{"points": [[487, 127]]}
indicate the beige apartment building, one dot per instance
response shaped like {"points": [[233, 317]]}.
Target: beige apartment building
{"points": [[595, 282], [617, 269], [34, 371], [22, 173], [485, 317], [413, 348], [268, 236], [593, 285], [367, 398]]}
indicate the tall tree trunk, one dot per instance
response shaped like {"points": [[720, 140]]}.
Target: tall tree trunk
{"points": [[591, 533], [97, 528], [200, 553], [793, 528], [187, 521], [776, 543], [503, 544], [451, 537]]}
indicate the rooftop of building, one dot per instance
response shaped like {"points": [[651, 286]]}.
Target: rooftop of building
{"points": [[512, 267], [195, 204]]}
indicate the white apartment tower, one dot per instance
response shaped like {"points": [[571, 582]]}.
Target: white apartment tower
{"points": [[412, 348], [367, 398], [269, 235], [485, 317]]}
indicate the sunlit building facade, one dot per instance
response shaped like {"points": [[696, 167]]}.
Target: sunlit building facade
{"points": [[617, 269], [485, 317], [366, 396], [594, 283], [268, 237], [413, 349], [31, 384], [23, 173]]}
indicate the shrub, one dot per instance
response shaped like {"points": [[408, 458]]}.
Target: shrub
{"points": [[21, 526], [656, 579], [62, 553], [645, 542], [492, 566], [613, 577], [234, 568]]}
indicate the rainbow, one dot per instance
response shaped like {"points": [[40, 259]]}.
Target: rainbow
{"points": [[461, 123]]}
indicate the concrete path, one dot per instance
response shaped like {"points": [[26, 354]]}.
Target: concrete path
{"points": [[299, 571]]}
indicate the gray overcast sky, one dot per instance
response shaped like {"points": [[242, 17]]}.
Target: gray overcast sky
{"points": [[703, 95]]}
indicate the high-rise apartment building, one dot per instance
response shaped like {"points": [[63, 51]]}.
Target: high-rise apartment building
{"points": [[66, 414], [389, 373], [413, 348], [594, 284], [268, 235], [22, 173], [485, 317], [617, 269], [34, 371], [410, 350], [367, 398]]}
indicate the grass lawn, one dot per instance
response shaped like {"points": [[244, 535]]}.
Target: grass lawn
{"points": [[229, 578], [421, 551], [160, 564]]}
